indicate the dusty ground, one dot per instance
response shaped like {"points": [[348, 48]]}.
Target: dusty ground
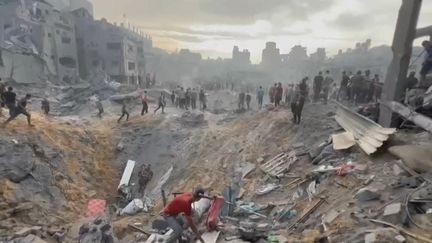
{"points": [[70, 160]]}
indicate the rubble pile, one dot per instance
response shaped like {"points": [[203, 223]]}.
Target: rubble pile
{"points": [[44, 180]]}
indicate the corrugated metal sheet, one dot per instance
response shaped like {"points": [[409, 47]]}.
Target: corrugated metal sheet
{"points": [[368, 134], [280, 164]]}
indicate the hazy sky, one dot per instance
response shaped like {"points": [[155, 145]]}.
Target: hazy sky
{"points": [[213, 27]]}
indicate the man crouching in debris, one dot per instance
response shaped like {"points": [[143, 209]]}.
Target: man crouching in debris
{"points": [[182, 204], [20, 109]]}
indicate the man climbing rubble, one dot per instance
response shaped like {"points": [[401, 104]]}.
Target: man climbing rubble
{"points": [[182, 205], [45, 106], [9, 98], [161, 103], [124, 112], [144, 101], [100, 108], [20, 109], [144, 177]]}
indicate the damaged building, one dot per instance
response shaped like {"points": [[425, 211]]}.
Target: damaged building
{"points": [[64, 43], [116, 50]]}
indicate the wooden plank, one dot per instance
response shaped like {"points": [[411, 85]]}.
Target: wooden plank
{"points": [[271, 162], [127, 173]]}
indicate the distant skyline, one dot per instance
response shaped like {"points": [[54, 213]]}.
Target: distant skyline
{"points": [[213, 27]]}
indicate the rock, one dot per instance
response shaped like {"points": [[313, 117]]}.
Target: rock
{"points": [[260, 160], [330, 216], [120, 146], [393, 213], [367, 194], [370, 238], [416, 157], [400, 238], [16, 161], [32, 239], [398, 171], [27, 231], [23, 232], [97, 231]]}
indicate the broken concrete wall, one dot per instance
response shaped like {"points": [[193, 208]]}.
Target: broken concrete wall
{"points": [[22, 68]]}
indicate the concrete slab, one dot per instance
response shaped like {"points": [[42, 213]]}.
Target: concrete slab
{"points": [[210, 237], [127, 173]]}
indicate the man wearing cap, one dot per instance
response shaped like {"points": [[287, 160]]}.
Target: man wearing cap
{"points": [[182, 205]]}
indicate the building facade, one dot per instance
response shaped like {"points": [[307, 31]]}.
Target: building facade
{"points": [[271, 58], [115, 50]]}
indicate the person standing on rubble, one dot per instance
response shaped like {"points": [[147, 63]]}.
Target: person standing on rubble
{"points": [[100, 108], [124, 112], [194, 96], [278, 94], [241, 100], [173, 96], [317, 86], [161, 103], [260, 97], [367, 82], [9, 98], [182, 205], [248, 100], [45, 106], [203, 100], [144, 102], [427, 64], [182, 95], [20, 109], [272, 93], [304, 92], [356, 87], [144, 177], [328, 81], [343, 90], [295, 98], [188, 98]]}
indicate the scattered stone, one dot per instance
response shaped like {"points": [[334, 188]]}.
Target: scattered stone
{"points": [[27, 231], [370, 238], [398, 171], [331, 216], [400, 238], [32, 239], [367, 194], [260, 160], [393, 214], [254, 218]]}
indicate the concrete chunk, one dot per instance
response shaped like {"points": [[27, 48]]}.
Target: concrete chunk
{"points": [[398, 171], [367, 194], [400, 238], [370, 238], [393, 213]]}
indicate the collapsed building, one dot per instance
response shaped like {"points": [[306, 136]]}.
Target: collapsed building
{"points": [[62, 42]]}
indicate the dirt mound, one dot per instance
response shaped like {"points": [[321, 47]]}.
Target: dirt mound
{"points": [[56, 167]]}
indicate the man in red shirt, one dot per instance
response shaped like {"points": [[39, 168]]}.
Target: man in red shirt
{"points": [[182, 205]]}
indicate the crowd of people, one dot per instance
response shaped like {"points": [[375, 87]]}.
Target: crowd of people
{"points": [[187, 99]]}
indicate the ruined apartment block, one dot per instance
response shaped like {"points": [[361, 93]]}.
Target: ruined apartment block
{"points": [[63, 42], [116, 50]]}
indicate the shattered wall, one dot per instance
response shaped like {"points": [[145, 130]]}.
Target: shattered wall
{"points": [[22, 68]]}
